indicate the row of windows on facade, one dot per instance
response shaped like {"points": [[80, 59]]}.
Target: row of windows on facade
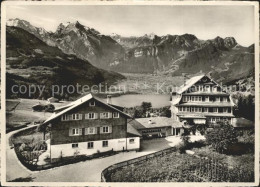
{"points": [[217, 119], [91, 115], [200, 109], [90, 130], [90, 145], [206, 99]]}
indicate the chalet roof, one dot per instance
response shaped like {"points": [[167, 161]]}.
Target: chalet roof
{"points": [[206, 114], [132, 131], [79, 102], [63, 107], [189, 83], [155, 122], [209, 104], [207, 93]]}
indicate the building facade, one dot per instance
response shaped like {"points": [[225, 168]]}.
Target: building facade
{"points": [[89, 126], [202, 101]]}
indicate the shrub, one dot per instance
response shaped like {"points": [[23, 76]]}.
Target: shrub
{"points": [[220, 138]]}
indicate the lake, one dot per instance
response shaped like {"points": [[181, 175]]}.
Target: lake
{"points": [[132, 100]]}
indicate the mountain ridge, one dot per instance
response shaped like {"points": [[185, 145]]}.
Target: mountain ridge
{"points": [[169, 54]]}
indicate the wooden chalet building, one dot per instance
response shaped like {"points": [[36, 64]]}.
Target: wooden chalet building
{"points": [[201, 100], [88, 126]]}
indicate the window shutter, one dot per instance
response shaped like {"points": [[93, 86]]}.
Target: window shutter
{"points": [[86, 116], [94, 130], [80, 131], [96, 115], [110, 129], [101, 115], [109, 114], [86, 131], [80, 116], [101, 130], [70, 132]]}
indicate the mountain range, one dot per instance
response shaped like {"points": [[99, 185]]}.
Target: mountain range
{"points": [[172, 55], [30, 61]]}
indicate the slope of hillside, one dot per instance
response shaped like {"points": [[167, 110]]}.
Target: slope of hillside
{"points": [[31, 61]]}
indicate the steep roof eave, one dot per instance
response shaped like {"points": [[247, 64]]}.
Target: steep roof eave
{"points": [[78, 103]]}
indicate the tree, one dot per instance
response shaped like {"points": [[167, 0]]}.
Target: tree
{"points": [[221, 137], [146, 106], [246, 107], [139, 112]]}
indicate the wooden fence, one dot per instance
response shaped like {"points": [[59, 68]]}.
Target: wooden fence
{"points": [[205, 170], [105, 174]]}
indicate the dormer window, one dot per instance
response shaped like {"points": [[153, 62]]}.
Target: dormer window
{"points": [[92, 103]]}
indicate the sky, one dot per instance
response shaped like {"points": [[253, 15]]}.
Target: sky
{"points": [[206, 22]]}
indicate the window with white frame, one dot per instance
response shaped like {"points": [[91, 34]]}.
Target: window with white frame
{"points": [[104, 115], [224, 99], [192, 98], [115, 114], [225, 110], [75, 131], [206, 109], [180, 109], [105, 143], [217, 99], [105, 129], [213, 119], [75, 145], [215, 110], [65, 117], [90, 145], [199, 109], [76, 116], [207, 88], [215, 89], [92, 103], [217, 119], [200, 98], [91, 130], [207, 98], [186, 98], [90, 115], [192, 109]]}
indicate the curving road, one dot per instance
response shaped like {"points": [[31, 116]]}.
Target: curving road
{"points": [[87, 171]]}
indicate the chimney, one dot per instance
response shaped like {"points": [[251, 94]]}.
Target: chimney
{"points": [[109, 99]]}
